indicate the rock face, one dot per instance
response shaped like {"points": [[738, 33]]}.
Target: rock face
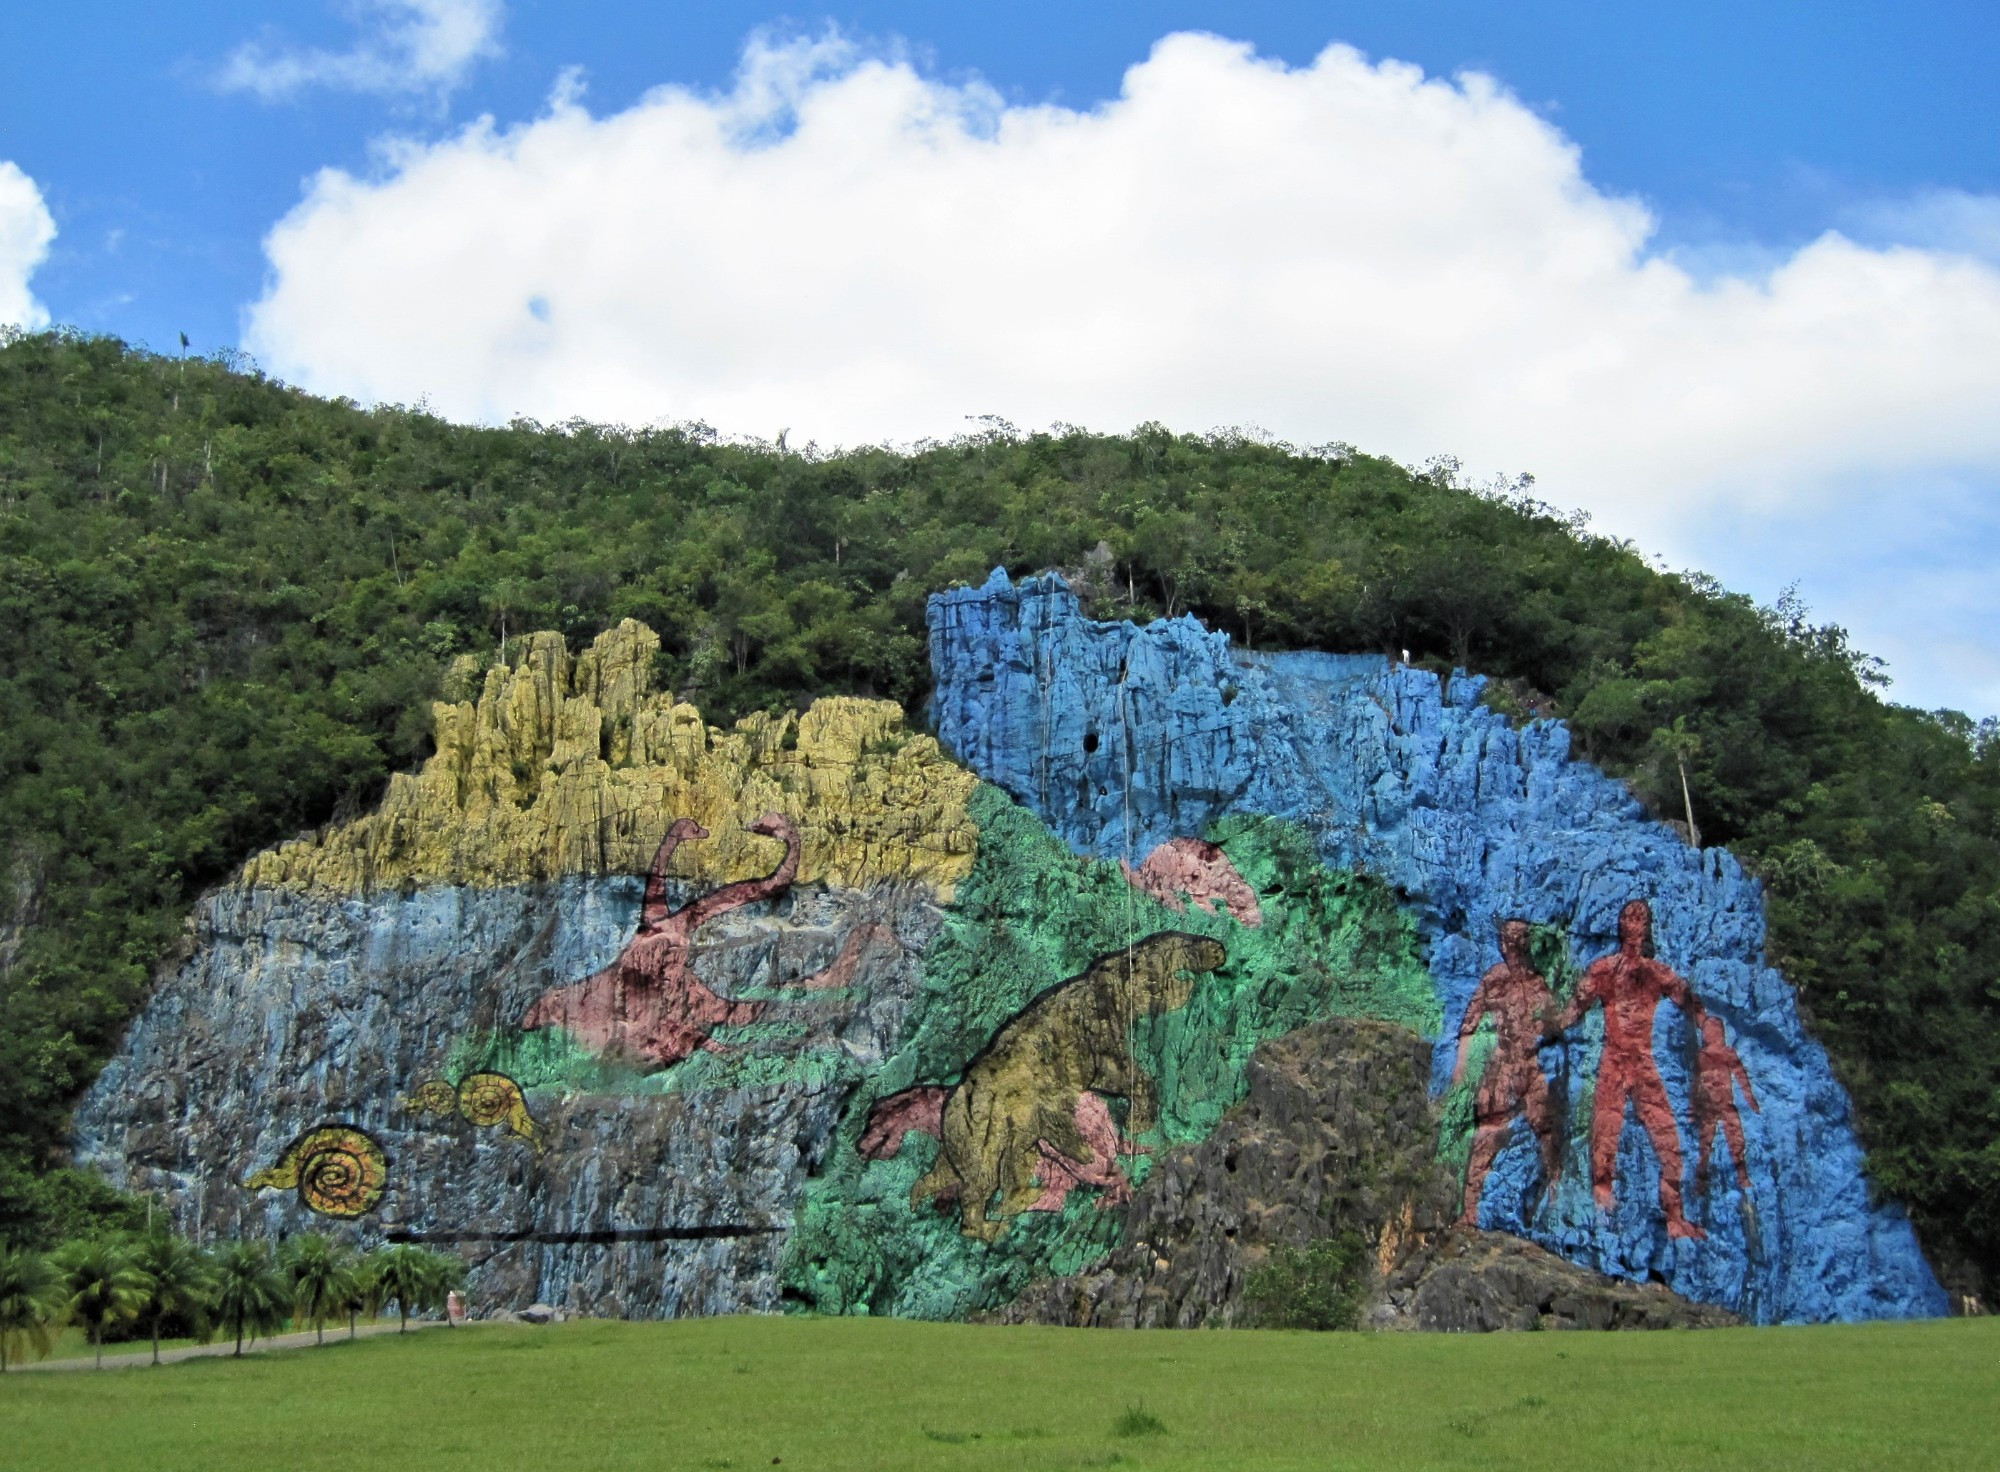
{"points": [[1338, 1133], [1741, 1187], [649, 1018], [367, 977]]}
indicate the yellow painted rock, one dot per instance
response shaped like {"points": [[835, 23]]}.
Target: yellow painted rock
{"points": [[576, 766]]}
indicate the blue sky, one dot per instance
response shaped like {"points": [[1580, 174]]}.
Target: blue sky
{"points": [[1741, 133]]}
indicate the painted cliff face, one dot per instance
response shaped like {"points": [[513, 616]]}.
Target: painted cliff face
{"points": [[651, 1018], [1610, 1030]]}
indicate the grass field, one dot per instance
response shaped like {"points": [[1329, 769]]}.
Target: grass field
{"points": [[873, 1394]]}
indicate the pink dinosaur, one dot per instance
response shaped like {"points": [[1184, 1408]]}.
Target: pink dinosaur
{"points": [[648, 1004], [1202, 872]]}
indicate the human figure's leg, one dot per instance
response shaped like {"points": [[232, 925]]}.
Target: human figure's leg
{"points": [[1607, 1122], [1541, 1119], [1487, 1139], [1656, 1114], [1732, 1129]]}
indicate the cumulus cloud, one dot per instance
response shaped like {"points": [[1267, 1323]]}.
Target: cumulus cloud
{"points": [[407, 46], [848, 248], [25, 233]]}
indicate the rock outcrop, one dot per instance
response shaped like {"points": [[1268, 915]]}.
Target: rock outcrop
{"points": [[1337, 1134], [1124, 738], [1167, 956]]}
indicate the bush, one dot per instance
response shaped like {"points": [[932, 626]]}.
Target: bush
{"points": [[1313, 1287]]}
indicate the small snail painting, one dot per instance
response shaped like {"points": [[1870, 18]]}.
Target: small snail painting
{"points": [[338, 1170], [485, 1099]]}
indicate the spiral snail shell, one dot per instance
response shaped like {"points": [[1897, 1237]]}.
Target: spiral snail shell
{"points": [[483, 1098], [339, 1171], [434, 1097], [493, 1098]]}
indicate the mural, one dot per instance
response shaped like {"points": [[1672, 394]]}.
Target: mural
{"points": [[811, 1014], [1630, 985], [1019, 1108], [1718, 1072], [1512, 1084], [337, 1170], [1184, 870], [485, 1099], [1125, 740], [648, 1005]]}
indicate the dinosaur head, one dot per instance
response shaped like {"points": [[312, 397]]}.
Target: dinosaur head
{"points": [[686, 830], [773, 825]]}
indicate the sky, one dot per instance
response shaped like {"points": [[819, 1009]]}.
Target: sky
{"points": [[1726, 277]]}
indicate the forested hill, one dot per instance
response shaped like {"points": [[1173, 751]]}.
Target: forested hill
{"points": [[225, 605]]}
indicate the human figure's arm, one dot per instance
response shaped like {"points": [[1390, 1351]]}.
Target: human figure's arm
{"points": [[1585, 997], [1742, 1076]]}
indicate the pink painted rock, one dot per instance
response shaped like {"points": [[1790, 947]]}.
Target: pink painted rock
{"points": [[1060, 1174], [1201, 872], [920, 1109]]}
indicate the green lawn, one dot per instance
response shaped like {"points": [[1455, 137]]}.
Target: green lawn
{"points": [[873, 1394]]}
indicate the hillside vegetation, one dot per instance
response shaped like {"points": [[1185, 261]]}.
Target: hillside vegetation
{"points": [[224, 606]]}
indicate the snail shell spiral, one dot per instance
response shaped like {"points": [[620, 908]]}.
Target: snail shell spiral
{"points": [[435, 1097], [340, 1171], [494, 1098]]}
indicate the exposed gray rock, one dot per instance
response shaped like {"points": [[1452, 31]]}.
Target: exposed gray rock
{"points": [[1337, 1133], [1470, 1281], [667, 1195]]}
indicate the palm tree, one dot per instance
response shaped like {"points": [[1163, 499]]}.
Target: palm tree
{"points": [[364, 1295], [323, 1280], [181, 1283], [101, 1287], [29, 1305], [250, 1294], [415, 1277]]}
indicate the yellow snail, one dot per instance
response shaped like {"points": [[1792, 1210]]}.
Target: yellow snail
{"points": [[483, 1098], [339, 1171]]}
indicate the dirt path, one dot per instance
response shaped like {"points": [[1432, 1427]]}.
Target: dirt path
{"points": [[301, 1340]]}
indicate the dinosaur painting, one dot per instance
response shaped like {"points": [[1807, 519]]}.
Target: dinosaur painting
{"points": [[648, 1005], [1010, 1126]]}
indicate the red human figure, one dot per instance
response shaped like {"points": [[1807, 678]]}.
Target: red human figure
{"points": [[1518, 1000], [1717, 1071], [1629, 985], [648, 1004]]}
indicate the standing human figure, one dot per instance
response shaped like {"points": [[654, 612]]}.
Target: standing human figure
{"points": [[1717, 1071], [1629, 985], [1522, 1007]]}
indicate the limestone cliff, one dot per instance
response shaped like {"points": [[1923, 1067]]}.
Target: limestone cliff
{"points": [[1625, 1080], [565, 766], [652, 1018]]}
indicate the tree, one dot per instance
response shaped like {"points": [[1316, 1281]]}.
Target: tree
{"points": [[323, 1280], [29, 1305], [250, 1293], [1676, 743], [363, 1296], [179, 1283], [101, 1286], [417, 1278]]}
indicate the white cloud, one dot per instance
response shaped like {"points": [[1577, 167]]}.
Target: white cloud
{"points": [[25, 233], [847, 248], [410, 46]]}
